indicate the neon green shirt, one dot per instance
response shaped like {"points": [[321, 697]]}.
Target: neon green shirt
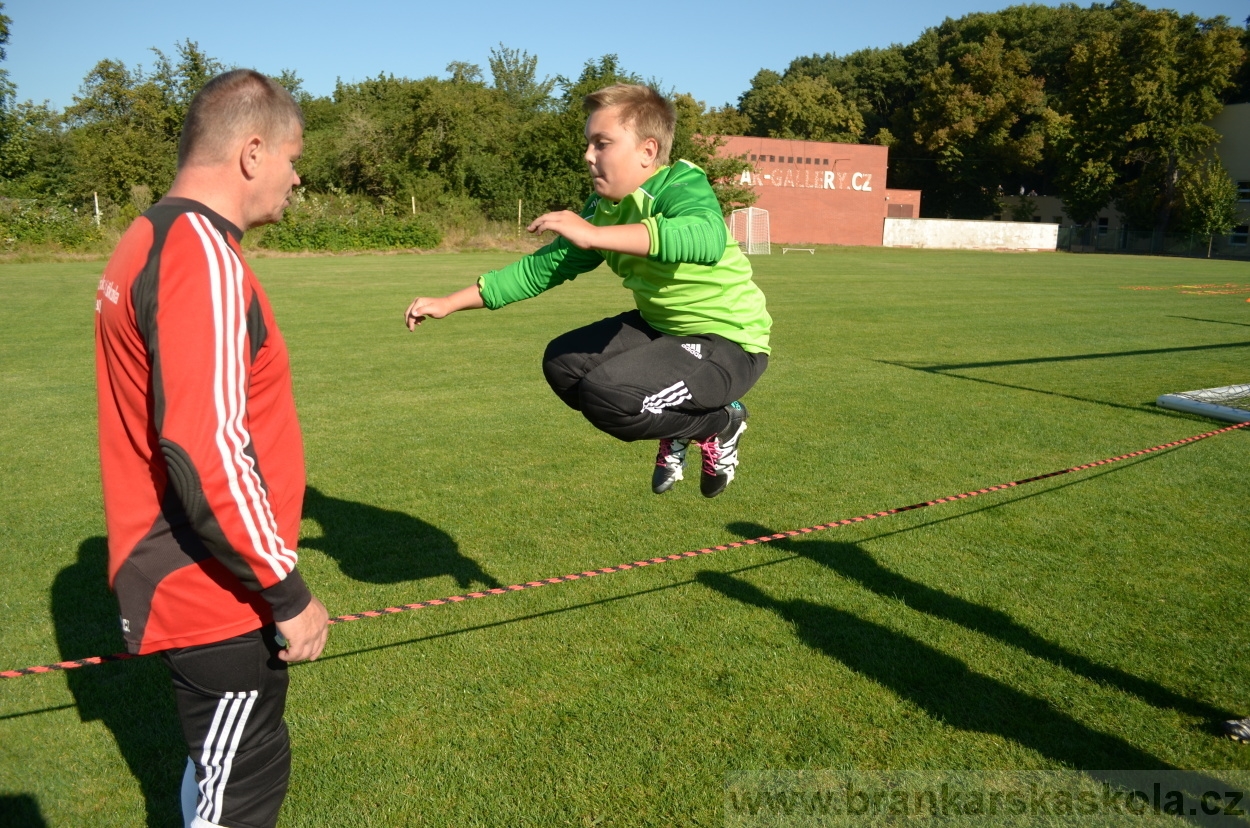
{"points": [[695, 279]]}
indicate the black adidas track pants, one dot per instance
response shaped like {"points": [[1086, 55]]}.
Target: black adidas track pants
{"points": [[636, 383], [231, 696]]}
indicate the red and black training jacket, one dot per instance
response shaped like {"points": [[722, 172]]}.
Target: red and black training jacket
{"points": [[200, 449]]}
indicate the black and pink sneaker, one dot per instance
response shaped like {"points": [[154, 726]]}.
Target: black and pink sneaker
{"points": [[668, 462], [1238, 730], [720, 452]]}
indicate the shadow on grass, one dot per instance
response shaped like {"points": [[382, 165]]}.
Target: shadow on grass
{"points": [[1004, 501], [948, 692], [38, 712], [133, 699], [1216, 321], [1149, 407], [856, 564], [381, 546], [20, 811], [1076, 357]]}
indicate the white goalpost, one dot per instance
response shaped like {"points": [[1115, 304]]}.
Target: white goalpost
{"points": [[1230, 403], [749, 227]]}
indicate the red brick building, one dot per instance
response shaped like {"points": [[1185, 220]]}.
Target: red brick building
{"points": [[822, 193]]}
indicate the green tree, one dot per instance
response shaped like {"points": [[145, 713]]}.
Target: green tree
{"points": [[181, 77], [1240, 90], [877, 82], [1091, 139], [551, 147], [124, 125], [464, 72], [121, 134], [515, 74], [982, 119], [1208, 200], [35, 157], [1136, 106], [290, 80], [1023, 209], [696, 140], [800, 107], [724, 120], [8, 92]]}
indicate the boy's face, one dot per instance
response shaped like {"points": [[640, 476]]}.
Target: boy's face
{"points": [[619, 163]]}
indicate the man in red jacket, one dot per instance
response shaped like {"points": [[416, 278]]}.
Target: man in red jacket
{"points": [[201, 455]]}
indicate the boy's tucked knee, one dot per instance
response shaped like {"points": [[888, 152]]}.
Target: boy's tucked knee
{"points": [[560, 373], [611, 410]]}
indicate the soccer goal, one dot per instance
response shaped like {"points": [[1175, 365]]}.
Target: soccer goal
{"points": [[749, 227], [1231, 403]]}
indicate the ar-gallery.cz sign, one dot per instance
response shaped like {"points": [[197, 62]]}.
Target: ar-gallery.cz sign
{"points": [[808, 179]]}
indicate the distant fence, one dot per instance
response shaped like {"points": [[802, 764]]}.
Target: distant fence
{"points": [[953, 234], [1147, 243]]}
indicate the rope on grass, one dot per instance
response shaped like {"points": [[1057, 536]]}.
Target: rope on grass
{"points": [[608, 570]]}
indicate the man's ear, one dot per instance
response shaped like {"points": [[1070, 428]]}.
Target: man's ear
{"points": [[250, 156]]}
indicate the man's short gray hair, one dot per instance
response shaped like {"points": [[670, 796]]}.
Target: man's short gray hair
{"points": [[229, 107]]}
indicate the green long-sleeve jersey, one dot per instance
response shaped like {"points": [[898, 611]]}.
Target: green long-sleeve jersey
{"points": [[694, 280]]}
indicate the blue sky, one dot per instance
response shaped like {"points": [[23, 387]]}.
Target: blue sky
{"points": [[711, 50]]}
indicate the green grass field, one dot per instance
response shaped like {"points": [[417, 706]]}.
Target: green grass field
{"points": [[1091, 621]]}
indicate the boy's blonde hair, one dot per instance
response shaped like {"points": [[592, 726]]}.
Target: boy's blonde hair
{"points": [[645, 111]]}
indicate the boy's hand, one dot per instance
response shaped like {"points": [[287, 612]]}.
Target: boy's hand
{"points": [[566, 223], [633, 239], [424, 306]]}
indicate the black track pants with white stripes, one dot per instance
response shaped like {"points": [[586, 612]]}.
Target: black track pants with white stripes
{"points": [[636, 383], [231, 696]]}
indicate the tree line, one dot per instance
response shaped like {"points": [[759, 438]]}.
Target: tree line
{"points": [[1102, 106]]}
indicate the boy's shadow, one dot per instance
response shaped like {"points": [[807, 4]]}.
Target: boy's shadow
{"points": [[134, 699], [948, 692], [855, 564], [942, 685], [381, 546]]}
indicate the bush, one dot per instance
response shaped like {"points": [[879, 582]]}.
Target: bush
{"points": [[28, 222], [336, 224]]}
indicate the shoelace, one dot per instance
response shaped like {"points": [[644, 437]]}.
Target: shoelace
{"points": [[710, 449]]}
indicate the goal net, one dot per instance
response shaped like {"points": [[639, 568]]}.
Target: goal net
{"points": [[749, 227], [1231, 403]]}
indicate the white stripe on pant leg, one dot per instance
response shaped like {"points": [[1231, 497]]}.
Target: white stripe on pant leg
{"points": [[217, 768], [234, 749], [656, 406], [669, 400], [206, 758], [210, 788], [674, 395]]}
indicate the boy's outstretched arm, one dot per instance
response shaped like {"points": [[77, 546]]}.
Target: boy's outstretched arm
{"points": [[631, 239], [436, 308]]}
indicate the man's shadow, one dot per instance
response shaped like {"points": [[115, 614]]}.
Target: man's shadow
{"points": [[856, 564], [381, 546], [20, 811], [134, 699]]}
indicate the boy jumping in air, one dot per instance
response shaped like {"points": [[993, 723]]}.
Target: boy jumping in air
{"points": [[674, 368]]}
